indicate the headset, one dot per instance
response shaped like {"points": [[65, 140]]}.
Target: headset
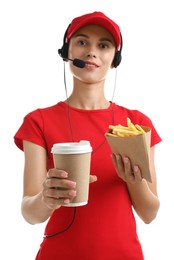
{"points": [[63, 52]]}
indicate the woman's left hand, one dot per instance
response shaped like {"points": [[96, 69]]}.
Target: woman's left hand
{"points": [[124, 169]]}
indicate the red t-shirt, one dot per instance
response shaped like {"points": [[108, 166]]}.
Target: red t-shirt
{"points": [[105, 228]]}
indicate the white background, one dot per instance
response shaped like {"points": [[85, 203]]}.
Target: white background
{"points": [[32, 76]]}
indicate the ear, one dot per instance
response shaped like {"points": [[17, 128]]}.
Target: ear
{"points": [[113, 62], [112, 66]]}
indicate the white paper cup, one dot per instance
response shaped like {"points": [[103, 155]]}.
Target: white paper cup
{"points": [[75, 158]]}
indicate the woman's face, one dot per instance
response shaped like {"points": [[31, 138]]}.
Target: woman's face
{"points": [[96, 46]]}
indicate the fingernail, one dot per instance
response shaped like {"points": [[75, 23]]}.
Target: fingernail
{"points": [[117, 157], [73, 184], [135, 168], [67, 201], [125, 159], [95, 178], [72, 193], [64, 174]]}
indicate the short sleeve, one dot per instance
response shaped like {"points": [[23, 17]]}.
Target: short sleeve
{"points": [[32, 130]]}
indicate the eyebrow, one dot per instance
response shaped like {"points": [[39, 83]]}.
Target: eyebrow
{"points": [[86, 36]]}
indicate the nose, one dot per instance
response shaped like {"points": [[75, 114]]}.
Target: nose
{"points": [[91, 53]]}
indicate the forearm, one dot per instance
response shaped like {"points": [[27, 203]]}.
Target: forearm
{"points": [[34, 210], [145, 202]]}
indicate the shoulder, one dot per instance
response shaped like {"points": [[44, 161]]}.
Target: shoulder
{"points": [[46, 111], [136, 116]]}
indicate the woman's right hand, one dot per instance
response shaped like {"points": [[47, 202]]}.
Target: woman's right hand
{"points": [[57, 189]]}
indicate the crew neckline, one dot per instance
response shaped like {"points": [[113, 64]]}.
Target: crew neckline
{"points": [[63, 103]]}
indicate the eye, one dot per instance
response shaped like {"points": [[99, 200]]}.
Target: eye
{"points": [[103, 45], [81, 43]]}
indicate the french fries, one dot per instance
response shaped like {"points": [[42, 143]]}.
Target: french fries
{"points": [[129, 130]]}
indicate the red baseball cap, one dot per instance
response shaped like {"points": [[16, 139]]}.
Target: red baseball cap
{"points": [[95, 18]]}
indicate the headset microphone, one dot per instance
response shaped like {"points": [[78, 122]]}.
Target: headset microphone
{"points": [[78, 63]]}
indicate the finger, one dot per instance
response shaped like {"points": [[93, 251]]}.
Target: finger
{"points": [[53, 203], [92, 178], [127, 167], [59, 194], [113, 157], [137, 173], [119, 163], [129, 173], [56, 173], [119, 166], [59, 183], [51, 196]]}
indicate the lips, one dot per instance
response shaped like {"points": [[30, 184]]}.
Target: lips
{"points": [[90, 65]]}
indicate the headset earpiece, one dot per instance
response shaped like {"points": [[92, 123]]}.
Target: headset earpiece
{"points": [[118, 57], [63, 52]]}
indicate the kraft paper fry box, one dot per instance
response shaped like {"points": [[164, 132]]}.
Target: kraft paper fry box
{"points": [[137, 148]]}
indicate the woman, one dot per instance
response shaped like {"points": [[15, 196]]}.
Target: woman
{"points": [[105, 228]]}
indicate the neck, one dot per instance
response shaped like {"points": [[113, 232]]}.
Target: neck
{"points": [[89, 97]]}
